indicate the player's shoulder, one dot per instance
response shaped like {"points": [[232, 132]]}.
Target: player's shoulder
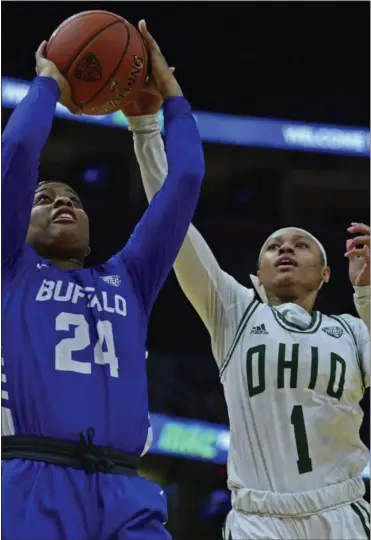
{"points": [[114, 264], [238, 293], [24, 260], [241, 304]]}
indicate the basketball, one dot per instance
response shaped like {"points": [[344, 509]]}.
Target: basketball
{"points": [[103, 57]]}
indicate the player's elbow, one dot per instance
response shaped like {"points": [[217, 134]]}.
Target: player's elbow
{"points": [[194, 171]]}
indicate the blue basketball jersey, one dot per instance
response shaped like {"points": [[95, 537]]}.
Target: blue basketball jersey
{"points": [[74, 341]]}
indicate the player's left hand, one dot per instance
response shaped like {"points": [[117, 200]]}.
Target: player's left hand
{"points": [[149, 100], [359, 257], [46, 68]]}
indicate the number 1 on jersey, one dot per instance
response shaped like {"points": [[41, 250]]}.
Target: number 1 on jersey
{"points": [[297, 420]]}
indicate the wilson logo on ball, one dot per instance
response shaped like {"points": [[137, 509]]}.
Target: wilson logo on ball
{"points": [[89, 69], [121, 91]]}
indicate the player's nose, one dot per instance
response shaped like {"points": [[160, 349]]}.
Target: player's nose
{"points": [[62, 201], [285, 248]]}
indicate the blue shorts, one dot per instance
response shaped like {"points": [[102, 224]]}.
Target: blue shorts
{"points": [[48, 502]]}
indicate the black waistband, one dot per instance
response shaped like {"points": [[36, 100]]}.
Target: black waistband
{"points": [[82, 455]]}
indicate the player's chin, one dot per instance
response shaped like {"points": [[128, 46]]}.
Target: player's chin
{"points": [[286, 278], [64, 229], [65, 234]]}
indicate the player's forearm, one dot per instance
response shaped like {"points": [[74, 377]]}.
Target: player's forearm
{"points": [[179, 171], [184, 167], [183, 145], [159, 235], [362, 303], [29, 126], [184, 161], [22, 141], [196, 268], [150, 152]]}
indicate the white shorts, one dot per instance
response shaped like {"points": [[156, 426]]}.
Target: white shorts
{"points": [[334, 512], [349, 522]]}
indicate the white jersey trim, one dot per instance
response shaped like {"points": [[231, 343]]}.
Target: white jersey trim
{"points": [[297, 505]]}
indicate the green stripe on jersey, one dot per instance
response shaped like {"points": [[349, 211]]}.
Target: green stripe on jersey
{"points": [[254, 304], [361, 516], [349, 331]]}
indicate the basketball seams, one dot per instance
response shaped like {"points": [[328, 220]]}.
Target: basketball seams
{"points": [[131, 43], [62, 26], [109, 79], [71, 20], [85, 45]]}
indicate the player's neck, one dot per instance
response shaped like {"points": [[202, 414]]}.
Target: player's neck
{"points": [[69, 264], [306, 302]]}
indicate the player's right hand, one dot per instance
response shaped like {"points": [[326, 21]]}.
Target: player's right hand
{"points": [[46, 68], [148, 101], [162, 75], [359, 257]]}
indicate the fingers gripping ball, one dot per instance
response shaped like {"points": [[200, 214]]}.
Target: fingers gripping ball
{"points": [[103, 57]]}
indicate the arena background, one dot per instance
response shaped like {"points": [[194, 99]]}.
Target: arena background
{"points": [[303, 62]]}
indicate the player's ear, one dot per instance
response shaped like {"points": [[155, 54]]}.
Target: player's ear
{"points": [[88, 251], [326, 274]]}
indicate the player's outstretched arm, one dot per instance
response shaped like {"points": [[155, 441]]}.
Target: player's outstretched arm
{"points": [[210, 290], [22, 141], [358, 253], [153, 247]]}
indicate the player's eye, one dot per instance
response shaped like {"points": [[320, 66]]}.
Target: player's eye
{"points": [[76, 201], [42, 199], [302, 244], [273, 246]]}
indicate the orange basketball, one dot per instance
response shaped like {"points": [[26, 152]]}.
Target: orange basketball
{"points": [[103, 57]]}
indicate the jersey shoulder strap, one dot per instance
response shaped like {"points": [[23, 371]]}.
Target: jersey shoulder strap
{"points": [[348, 329], [248, 313]]}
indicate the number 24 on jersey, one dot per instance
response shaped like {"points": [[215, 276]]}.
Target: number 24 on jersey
{"points": [[81, 340]]}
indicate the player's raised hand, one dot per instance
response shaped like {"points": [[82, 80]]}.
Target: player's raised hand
{"points": [[163, 76], [46, 68], [359, 257]]}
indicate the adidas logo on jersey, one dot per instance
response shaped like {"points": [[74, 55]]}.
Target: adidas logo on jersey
{"points": [[333, 331], [259, 330], [112, 280]]}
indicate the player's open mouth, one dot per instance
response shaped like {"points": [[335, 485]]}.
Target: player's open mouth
{"points": [[286, 262], [64, 216]]}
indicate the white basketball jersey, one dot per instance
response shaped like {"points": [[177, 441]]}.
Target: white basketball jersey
{"points": [[292, 395]]}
